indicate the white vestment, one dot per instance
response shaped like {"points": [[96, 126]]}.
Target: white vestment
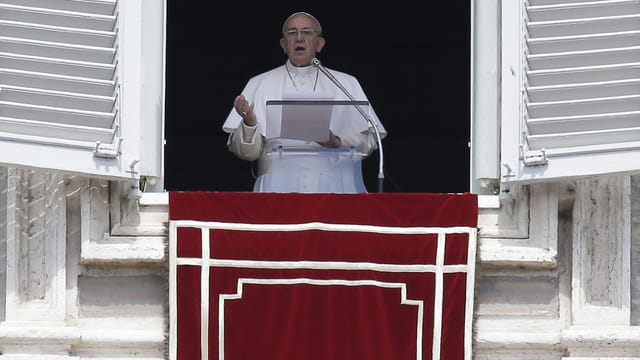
{"points": [[326, 170]]}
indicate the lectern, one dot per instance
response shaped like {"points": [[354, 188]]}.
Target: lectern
{"points": [[297, 162], [313, 170]]}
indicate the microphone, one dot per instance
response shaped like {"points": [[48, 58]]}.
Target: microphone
{"points": [[316, 63]]}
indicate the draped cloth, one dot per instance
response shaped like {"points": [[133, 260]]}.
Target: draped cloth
{"points": [[321, 276]]}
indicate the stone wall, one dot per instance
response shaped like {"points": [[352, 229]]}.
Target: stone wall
{"points": [[84, 270], [71, 288]]}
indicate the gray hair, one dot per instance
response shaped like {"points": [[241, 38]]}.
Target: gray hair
{"points": [[306, 14]]}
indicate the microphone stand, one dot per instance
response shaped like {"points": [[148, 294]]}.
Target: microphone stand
{"points": [[316, 63]]}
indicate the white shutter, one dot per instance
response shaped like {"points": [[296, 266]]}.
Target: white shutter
{"points": [[63, 77], [571, 88]]}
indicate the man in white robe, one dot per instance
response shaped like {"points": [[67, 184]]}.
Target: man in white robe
{"points": [[323, 170]]}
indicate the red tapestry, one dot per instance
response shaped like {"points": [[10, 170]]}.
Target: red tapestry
{"points": [[321, 276]]}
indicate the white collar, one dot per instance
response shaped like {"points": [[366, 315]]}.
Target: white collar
{"points": [[300, 70]]}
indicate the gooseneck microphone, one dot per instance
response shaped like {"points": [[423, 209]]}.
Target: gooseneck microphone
{"points": [[316, 63]]}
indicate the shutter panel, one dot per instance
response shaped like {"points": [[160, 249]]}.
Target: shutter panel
{"points": [[575, 67], [59, 89]]}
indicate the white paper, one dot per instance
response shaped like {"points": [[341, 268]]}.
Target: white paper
{"points": [[302, 119]]}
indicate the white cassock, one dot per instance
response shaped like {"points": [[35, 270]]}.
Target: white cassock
{"points": [[321, 171]]}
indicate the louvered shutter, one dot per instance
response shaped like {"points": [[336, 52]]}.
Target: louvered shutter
{"points": [[571, 88], [61, 86]]}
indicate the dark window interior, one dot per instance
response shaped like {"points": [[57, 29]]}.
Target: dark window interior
{"points": [[413, 64]]}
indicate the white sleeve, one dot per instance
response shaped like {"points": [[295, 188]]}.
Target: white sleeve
{"points": [[246, 142]]}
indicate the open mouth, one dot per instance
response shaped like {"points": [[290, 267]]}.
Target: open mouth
{"points": [[299, 48]]}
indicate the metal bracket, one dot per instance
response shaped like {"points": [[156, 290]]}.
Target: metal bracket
{"points": [[535, 157], [108, 151]]}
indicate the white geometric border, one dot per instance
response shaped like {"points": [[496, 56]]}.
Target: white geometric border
{"points": [[242, 281], [205, 262]]}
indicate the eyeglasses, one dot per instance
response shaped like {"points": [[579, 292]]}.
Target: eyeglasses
{"points": [[305, 32]]}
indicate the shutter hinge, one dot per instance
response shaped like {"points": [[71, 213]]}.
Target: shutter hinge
{"points": [[108, 151], [535, 157]]}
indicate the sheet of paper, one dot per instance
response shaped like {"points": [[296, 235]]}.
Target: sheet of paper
{"points": [[304, 117]]}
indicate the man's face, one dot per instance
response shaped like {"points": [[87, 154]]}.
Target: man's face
{"points": [[301, 40]]}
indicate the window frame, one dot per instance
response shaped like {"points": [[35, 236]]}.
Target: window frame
{"points": [[137, 150], [516, 164]]}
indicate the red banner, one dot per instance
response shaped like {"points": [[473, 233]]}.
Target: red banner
{"points": [[321, 276]]}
